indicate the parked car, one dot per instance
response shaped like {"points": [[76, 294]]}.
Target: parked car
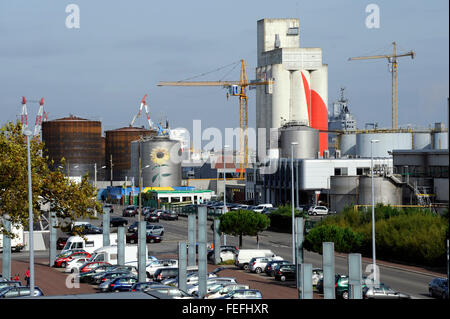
{"points": [[341, 285], [158, 212], [102, 277], [286, 272], [271, 266], [382, 292], [87, 276], [9, 283], [91, 265], [317, 274], [122, 283], [147, 209], [150, 238], [88, 229], [210, 286], [130, 211], [223, 290], [172, 292], [61, 242], [21, 291], [155, 229], [118, 221], [74, 264], [152, 218], [191, 277], [226, 253], [164, 273], [169, 215], [438, 287], [243, 294], [258, 264], [62, 261], [141, 286], [318, 210], [70, 251], [161, 263]]}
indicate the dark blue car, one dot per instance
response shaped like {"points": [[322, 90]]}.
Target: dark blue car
{"points": [[122, 283]]}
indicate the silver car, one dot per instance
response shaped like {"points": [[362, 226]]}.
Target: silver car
{"points": [[383, 292]]}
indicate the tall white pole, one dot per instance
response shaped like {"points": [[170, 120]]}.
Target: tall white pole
{"points": [[30, 214], [373, 215], [95, 176], [224, 192], [292, 201]]}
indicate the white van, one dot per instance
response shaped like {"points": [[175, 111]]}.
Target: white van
{"points": [[245, 255], [109, 254], [91, 243], [17, 243], [260, 207]]}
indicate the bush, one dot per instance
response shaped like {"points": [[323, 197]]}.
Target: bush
{"points": [[410, 235], [281, 219]]}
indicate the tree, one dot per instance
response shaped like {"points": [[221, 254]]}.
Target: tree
{"points": [[67, 199], [243, 223]]}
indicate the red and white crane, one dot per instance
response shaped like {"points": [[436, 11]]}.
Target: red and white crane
{"points": [[143, 105], [41, 116]]}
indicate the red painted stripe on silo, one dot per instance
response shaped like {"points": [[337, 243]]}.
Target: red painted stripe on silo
{"points": [[319, 117], [308, 97]]}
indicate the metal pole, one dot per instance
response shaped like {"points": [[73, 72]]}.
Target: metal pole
{"points": [[216, 237], [30, 214], [95, 176], [306, 286], [121, 245], [448, 271], [296, 188], [52, 255], [142, 240], [224, 193], [202, 262], [111, 168], [298, 250], [191, 238], [182, 266], [106, 221], [292, 202], [328, 270], [355, 276], [6, 257], [373, 216]]}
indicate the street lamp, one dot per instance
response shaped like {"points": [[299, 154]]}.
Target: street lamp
{"points": [[95, 174], [224, 191], [28, 134], [375, 279], [292, 200]]}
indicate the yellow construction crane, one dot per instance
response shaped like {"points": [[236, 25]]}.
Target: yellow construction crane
{"points": [[233, 90], [392, 59]]}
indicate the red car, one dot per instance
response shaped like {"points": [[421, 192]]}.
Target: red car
{"points": [[62, 261], [92, 265]]}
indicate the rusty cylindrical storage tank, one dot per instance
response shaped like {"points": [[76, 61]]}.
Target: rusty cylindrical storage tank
{"points": [[118, 145], [77, 140]]}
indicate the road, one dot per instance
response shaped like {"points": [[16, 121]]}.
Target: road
{"points": [[402, 278]]}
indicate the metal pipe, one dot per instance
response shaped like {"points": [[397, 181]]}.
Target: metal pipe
{"points": [[292, 200], [375, 279], [202, 262], [121, 245], [6, 258], [328, 270], [298, 250], [354, 276], [191, 238], [142, 244], [30, 215], [224, 191], [216, 237], [106, 221], [182, 266], [52, 253], [306, 286]]}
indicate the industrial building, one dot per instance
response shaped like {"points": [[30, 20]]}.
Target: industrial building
{"points": [[79, 141]]}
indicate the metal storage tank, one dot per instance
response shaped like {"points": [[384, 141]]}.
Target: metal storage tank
{"points": [[385, 191], [280, 96], [77, 140], [343, 192], [306, 137], [319, 104], [163, 157], [347, 144], [118, 144], [387, 142], [440, 140], [422, 141], [300, 97]]}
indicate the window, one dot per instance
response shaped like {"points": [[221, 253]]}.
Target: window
{"points": [[89, 244], [113, 256], [12, 293]]}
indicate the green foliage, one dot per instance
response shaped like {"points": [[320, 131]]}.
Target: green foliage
{"points": [[69, 200], [281, 219], [411, 235], [243, 223]]}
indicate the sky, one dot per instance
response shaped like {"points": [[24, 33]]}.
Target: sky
{"points": [[122, 49]]}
